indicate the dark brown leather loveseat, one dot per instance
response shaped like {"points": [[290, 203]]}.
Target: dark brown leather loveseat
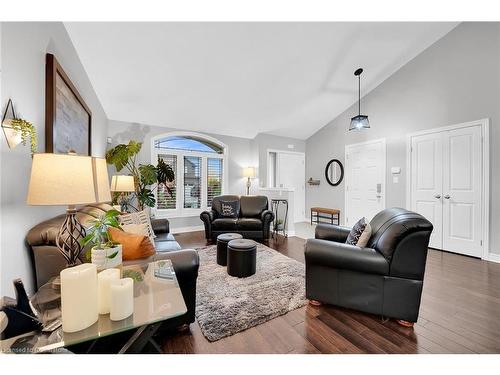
{"points": [[47, 262], [384, 278], [253, 221]]}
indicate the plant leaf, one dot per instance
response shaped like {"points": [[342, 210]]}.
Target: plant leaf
{"points": [[148, 173], [164, 171], [112, 255]]}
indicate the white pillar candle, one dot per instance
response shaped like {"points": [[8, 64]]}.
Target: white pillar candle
{"points": [[104, 279], [122, 298], [79, 297]]}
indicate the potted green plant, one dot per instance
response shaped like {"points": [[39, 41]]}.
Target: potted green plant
{"points": [[104, 253], [124, 156], [26, 130]]}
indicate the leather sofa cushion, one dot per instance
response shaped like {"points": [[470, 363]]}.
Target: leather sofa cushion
{"points": [[252, 206], [224, 224], [166, 246], [249, 224], [160, 237]]}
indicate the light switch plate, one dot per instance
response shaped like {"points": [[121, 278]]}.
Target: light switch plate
{"points": [[396, 170]]}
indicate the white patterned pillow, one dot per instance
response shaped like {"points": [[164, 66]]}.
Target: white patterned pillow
{"points": [[140, 217], [360, 234]]}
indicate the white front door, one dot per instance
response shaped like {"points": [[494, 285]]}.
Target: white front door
{"points": [[291, 174], [365, 180], [462, 189], [446, 187], [427, 182]]}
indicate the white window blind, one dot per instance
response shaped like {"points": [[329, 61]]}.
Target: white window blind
{"points": [[166, 201], [192, 182], [214, 179]]}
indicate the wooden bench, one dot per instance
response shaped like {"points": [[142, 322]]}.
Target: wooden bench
{"points": [[318, 213]]}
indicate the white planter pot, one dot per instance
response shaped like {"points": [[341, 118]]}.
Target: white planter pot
{"points": [[106, 258]]}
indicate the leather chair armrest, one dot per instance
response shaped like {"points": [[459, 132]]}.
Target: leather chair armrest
{"points": [[331, 232], [208, 216], [343, 256], [160, 225], [267, 216]]}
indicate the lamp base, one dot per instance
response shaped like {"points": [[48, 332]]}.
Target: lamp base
{"points": [[69, 236], [248, 186]]}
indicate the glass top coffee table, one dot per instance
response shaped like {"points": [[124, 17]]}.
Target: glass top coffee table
{"points": [[157, 297]]}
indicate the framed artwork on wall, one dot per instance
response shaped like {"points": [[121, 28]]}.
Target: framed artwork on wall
{"points": [[68, 120]]}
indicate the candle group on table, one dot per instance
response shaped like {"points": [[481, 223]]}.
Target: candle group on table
{"points": [[85, 294]]}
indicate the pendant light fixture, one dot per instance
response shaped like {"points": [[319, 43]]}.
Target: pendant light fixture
{"points": [[360, 121]]}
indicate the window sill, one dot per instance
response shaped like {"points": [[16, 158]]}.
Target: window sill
{"points": [[161, 214]]}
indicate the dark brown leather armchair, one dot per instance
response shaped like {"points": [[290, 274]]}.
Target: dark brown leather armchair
{"points": [[384, 278], [253, 222]]}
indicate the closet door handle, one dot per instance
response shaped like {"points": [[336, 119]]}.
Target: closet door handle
{"points": [[447, 196], [437, 196]]}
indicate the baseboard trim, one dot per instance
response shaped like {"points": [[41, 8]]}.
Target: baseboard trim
{"points": [[193, 228], [494, 258]]}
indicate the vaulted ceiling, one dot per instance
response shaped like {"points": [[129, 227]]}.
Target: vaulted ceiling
{"points": [[242, 79]]}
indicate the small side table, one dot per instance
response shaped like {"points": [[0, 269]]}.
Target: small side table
{"points": [[280, 221]]}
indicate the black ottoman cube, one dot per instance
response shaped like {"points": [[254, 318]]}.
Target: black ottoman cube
{"points": [[241, 258], [222, 240]]}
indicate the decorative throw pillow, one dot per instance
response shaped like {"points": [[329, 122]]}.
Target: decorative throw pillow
{"points": [[134, 246], [140, 217], [136, 229], [360, 234], [230, 208]]}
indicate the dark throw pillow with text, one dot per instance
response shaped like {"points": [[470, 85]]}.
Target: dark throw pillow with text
{"points": [[230, 209]]}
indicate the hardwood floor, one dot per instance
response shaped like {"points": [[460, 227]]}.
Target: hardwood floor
{"points": [[460, 313]]}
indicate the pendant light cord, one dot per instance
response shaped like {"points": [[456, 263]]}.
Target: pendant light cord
{"points": [[359, 94]]}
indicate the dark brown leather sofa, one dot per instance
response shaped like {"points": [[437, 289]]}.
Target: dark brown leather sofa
{"points": [[47, 262], [253, 222], [384, 278]]}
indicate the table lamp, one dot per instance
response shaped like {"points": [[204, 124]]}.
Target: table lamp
{"points": [[68, 180], [249, 172], [123, 184]]}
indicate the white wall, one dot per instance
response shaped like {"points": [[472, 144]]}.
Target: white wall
{"points": [[264, 142], [24, 46], [455, 80]]}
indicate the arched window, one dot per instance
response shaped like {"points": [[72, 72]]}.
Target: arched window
{"points": [[199, 164]]}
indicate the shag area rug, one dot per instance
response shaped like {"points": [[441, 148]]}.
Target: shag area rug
{"points": [[226, 305]]}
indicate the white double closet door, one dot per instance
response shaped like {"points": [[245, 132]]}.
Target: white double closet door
{"points": [[446, 187]]}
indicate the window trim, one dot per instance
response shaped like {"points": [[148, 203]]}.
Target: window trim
{"points": [[180, 211]]}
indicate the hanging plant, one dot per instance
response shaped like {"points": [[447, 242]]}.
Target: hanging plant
{"points": [[27, 130]]}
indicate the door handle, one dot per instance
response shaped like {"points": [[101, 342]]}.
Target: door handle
{"points": [[437, 196], [447, 196]]}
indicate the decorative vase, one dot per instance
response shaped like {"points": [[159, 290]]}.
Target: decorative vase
{"points": [[107, 258]]}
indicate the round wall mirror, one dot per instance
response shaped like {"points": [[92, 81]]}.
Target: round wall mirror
{"points": [[334, 172]]}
